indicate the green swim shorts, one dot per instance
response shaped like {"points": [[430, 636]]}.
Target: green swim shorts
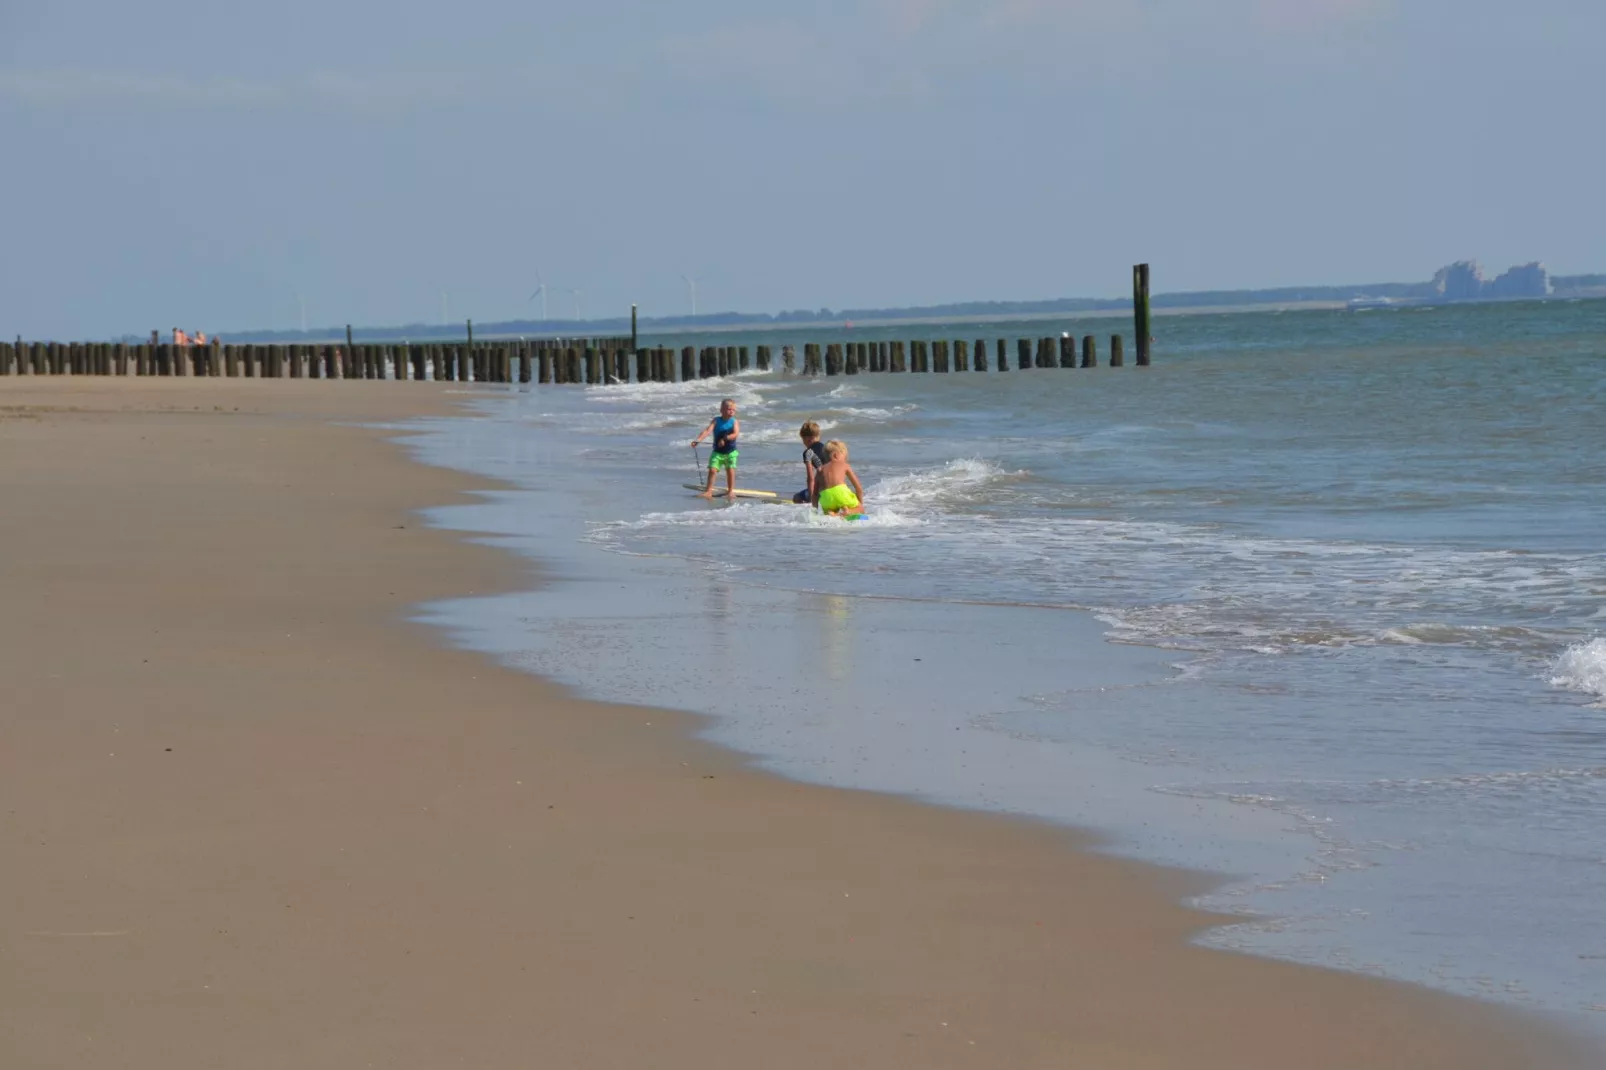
{"points": [[833, 499], [720, 461]]}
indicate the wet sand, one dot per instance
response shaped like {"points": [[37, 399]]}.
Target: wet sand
{"points": [[250, 816]]}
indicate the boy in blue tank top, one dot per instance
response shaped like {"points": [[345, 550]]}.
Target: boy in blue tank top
{"points": [[726, 430]]}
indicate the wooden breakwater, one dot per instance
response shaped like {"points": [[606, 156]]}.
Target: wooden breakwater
{"points": [[590, 361], [595, 362]]}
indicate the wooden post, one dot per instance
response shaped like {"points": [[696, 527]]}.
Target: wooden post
{"points": [[896, 361], [688, 364], [643, 365], [5, 358], [1090, 352], [1002, 350], [850, 358], [981, 354], [833, 359], [1140, 311], [1117, 351], [633, 343], [939, 356], [544, 372], [1023, 354], [1067, 351], [763, 355]]}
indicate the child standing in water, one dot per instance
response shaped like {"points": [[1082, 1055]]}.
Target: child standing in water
{"points": [[726, 429], [831, 493], [814, 459]]}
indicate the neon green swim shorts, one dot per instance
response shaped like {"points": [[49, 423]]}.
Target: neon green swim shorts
{"points": [[838, 498], [718, 462]]}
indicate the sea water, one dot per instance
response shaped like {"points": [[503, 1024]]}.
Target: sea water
{"points": [[1317, 602]]}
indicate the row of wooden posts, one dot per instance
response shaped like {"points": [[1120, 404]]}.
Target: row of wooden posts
{"points": [[593, 361], [524, 362]]}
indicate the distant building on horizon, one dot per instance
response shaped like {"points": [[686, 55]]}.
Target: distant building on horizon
{"points": [[1529, 280], [1464, 281]]}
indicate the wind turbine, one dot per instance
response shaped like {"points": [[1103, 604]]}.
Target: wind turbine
{"points": [[541, 290], [691, 284]]}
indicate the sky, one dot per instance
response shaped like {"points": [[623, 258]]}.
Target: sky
{"points": [[230, 167]]}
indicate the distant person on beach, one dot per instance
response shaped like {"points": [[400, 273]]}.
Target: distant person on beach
{"points": [[180, 338], [726, 430], [830, 485], [814, 458]]}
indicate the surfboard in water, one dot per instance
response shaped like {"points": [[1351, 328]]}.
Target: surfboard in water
{"points": [[742, 492]]}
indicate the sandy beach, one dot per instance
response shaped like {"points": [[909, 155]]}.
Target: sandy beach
{"points": [[251, 816]]}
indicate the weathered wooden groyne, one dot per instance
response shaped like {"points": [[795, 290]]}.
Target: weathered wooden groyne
{"points": [[537, 362], [591, 361]]}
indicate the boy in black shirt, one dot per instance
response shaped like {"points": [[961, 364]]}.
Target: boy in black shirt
{"points": [[813, 459]]}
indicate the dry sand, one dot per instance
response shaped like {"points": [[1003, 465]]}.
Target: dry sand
{"points": [[252, 817]]}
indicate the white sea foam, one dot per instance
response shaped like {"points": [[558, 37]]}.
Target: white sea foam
{"points": [[1582, 667], [956, 478], [781, 434], [873, 413]]}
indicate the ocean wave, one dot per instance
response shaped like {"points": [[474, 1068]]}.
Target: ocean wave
{"points": [[873, 413], [788, 433], [1582, 667], [957, 478], [749, 516]]}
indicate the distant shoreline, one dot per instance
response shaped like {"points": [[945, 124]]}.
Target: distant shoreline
{"points": [[675, 325]]}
